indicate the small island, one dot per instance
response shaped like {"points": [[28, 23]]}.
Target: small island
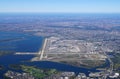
{"points": [[1, 67], [4, 52]]}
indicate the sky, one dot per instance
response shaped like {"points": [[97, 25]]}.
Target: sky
{"points": [[60, 6]]}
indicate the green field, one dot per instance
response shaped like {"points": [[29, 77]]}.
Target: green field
{"points": [[38, 73]]}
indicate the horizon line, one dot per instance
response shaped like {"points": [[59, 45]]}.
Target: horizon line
{"points": [[59, 12]]}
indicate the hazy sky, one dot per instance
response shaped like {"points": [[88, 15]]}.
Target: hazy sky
{"points": [[66, 6]]}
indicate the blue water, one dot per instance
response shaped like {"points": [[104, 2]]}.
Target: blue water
{"points": [[12, 59], [29, 43], [24, 42]]}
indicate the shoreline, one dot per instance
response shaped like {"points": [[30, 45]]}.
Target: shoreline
{"points": [[36, 58]]}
